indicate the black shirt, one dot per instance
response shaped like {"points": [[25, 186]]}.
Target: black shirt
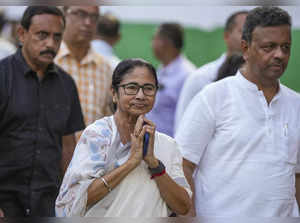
{"points": [[34, 115]]}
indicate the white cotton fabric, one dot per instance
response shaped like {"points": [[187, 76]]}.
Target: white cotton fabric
{"points": [[98, 152], [246, 150]]}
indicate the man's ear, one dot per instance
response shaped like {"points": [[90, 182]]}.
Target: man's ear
{"points": [[21, 31], [226, 37], [245, 49]]}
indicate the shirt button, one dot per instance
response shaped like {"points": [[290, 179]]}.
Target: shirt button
{"points": [[27, 211], [38, 151]]}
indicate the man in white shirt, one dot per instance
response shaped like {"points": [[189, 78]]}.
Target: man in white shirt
{"points": [[241, 134], [207, 73], [167, 46], [107, 36]]}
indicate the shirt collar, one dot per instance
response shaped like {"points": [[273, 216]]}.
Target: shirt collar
{"points": [[51, 69], [171, 67], [64, 51], [253, 87]]}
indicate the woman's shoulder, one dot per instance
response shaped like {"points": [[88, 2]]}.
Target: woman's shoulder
{"points": [[101, 127], [166, 143], [164, 137]]}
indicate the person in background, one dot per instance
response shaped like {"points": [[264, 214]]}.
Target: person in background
{"points": [[90, 70], [167, 45], [230, 66], [240, 136], [208, 73], [107, 36], [110, 174], [6, 47], [39, 114]]}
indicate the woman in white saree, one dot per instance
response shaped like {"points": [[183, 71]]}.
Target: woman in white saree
{"points": [[109, 176]]}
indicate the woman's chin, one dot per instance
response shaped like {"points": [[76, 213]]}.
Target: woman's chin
{"points": [[139, 112]]}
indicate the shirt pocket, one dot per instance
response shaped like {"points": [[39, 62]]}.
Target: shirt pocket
{"points": [[289, 142], [57, 118]]}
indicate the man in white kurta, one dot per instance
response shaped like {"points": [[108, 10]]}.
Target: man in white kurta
{"points": [[241, 134], [246, 151]]}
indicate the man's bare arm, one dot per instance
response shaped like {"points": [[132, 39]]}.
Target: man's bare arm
{"points": [[188, 169]]}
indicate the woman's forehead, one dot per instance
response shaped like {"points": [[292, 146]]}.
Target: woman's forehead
{"points": [[139, 74]]}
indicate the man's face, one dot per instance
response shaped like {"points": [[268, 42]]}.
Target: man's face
{"points": [[234, 36], [268, 53], [158, 46], [42, 40], [81, 23]]}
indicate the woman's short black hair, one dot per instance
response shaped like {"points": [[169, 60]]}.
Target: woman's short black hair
{"points": [[39, 10], [126, 66], [263, 17]]}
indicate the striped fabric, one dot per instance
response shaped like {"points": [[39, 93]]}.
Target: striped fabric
{"points": [[93, 79]]}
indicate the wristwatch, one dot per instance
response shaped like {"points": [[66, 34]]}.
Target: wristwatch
{"points": [[157, 170]]}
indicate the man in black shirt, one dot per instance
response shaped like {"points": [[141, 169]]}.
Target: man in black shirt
{"points": [[39, 113]]}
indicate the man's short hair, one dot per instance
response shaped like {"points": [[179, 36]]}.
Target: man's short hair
{"points": [[264, 17], [31, 11], [173, 32], [231, 21], [108, 25]]}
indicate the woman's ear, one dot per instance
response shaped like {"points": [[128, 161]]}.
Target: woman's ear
{"points": [[114, 95]]}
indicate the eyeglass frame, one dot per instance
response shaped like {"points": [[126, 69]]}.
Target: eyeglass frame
{"points": [[84, 15], [139, 87]]}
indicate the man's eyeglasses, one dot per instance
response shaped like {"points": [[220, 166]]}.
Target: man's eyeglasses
{"points": [[133, 89], [84, 15]]}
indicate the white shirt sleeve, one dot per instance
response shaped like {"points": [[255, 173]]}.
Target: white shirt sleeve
{"points": [[196, 128]]}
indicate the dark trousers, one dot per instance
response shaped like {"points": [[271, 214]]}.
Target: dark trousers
{"points": [[37, 204]]}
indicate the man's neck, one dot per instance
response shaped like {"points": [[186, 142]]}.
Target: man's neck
{"points": [[269, 88], [169, 58], [109, 41], [78, 50], [38, 68]]}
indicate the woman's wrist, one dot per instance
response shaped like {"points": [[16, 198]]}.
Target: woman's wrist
{"points": [[159, 170], [132, 163], [152, 162]]}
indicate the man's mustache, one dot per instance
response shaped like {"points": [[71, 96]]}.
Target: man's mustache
{"points": [[48, 52]]}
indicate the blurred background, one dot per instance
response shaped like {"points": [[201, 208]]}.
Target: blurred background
{"points": [[203, 31]]}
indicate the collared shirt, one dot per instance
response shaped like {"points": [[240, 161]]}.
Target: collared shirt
{"points": [[201, 77], [106, 50], [34, 115], [245, 149], [93, 79], [171, 79]]}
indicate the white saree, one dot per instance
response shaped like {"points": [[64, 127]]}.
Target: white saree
{"points": [[99, 151]]}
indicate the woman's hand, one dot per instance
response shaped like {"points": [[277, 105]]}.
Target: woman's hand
{"points": [[136, 153], [149, 157]]}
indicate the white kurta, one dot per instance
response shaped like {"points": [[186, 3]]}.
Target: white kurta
{"points": [[246, 150], [98, 152]]}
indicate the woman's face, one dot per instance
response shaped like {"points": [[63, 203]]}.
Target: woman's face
{"points": [[139, 103]]}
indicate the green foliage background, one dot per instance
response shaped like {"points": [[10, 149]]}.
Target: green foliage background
{"points": [[200, 47]]}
